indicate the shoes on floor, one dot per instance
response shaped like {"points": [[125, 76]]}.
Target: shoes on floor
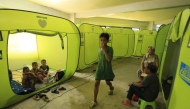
{"points": [[36, 97], [45, 98], [55, 91]]}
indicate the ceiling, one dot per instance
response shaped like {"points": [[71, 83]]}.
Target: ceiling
{"points": [[75, 6], [148, 15], [137, 10]]}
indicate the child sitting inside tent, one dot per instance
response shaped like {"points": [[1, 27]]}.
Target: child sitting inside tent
{"points": [[40, 75], [17, 88], [39, 82], [44, 67], [28, 78]]}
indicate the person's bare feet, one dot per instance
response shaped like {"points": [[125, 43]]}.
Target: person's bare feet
{"points": [[127, 103]]}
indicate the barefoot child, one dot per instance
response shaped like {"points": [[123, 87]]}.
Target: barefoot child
{"points": [[104, 68]]}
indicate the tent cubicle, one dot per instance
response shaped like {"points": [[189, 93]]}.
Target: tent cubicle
{"points": [[136, 40], [89, 44], [175, 63], [122, 40], [145, 38], [55, 39], [160, 41]]}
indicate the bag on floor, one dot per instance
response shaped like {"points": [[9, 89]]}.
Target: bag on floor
{"points": [[59, 75]]}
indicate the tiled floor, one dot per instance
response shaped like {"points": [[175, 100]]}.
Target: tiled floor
{"points": [[79, 93]]}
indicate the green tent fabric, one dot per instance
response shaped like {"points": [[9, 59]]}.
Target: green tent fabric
{"points": [[160, 40], [89, 44], [178, 25], [136, 40], [182, 78], [122, 40], [57, 39], [174, 59], [145, 38]]}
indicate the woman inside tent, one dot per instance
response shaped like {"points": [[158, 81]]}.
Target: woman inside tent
{"points": [[149, 57]]}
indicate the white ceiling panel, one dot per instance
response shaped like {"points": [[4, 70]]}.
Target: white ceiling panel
{"points": [[140, 10], [74, 6], [149, 15]]}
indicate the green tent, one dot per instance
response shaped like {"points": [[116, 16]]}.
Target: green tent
{"points": [[160, 40], [145, 38], [55, 39], [175, 63], [89, 44], [122, 40], [136, 40]]}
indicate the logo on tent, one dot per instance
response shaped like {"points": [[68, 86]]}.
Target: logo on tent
{"points": [[184, 73], [42, 23], [1, 54]]}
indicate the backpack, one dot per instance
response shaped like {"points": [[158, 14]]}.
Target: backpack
{"points": [[59, 75]]}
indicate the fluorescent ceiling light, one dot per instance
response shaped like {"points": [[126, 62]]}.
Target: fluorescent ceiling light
{"points": [[135, 29]]}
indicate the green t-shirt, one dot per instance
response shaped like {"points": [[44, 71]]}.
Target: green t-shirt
{"points": [[104, 69]]}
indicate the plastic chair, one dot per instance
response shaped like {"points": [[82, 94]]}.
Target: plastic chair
{"points": [[144, 103]]}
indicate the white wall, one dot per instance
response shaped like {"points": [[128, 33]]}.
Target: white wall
{"points": [[26, 5]]}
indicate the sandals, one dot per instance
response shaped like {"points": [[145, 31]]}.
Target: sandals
{"points": [[93, 104], [62, 88], [55, 91], [110, 92], [46, 90], [45, 98], [36, 97]]}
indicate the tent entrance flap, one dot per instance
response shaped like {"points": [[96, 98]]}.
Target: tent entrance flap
{"points": [[170, 66]]}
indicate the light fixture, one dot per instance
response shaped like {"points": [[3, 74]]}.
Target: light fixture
{"points": [[103, 27], [136, 29]]}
